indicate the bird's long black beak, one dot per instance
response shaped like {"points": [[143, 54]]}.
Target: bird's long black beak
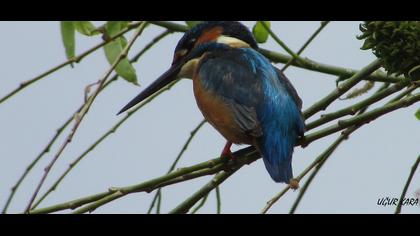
{"points": [[166, 78]]}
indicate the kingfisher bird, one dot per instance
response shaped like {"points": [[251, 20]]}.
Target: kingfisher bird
{"points": [[239, 92]]}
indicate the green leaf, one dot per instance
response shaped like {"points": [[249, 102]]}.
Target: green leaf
{"points": [[418, 114], [368, 44], [68, 36], [124, 67], [114, 49], [86, 28], [192, 23], [259, 31], [114, 27], [414, 73]]}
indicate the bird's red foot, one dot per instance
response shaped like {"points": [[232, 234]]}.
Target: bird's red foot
{"points": [[226, 153]]}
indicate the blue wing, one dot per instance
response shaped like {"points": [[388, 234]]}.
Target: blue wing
{"points": [[289, 87], [230, 77], [264, 102]]}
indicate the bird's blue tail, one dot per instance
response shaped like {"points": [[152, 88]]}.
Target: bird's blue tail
{"points": [[276, 147], [282, 123]]}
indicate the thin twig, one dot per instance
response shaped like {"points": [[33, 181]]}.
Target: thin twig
{"points": [[408, 91], [159, 203], [342, 88], [313, 36], [59, 130], [328, 69], [184, 207], [328, 152], [113, 129], [210, 167], [218, 200], [200, 205], [352, 109], [407, 183], [171, 26], [79, 116], [323, 158], [360, 119], [70, 61], [315, 163], [155, 197], [97, 142], [282, 44], [178, 157], [146, 186], [34, 162], [44, 151]]}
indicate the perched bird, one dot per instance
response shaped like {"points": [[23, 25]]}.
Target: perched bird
{"points": [[239, 92]]}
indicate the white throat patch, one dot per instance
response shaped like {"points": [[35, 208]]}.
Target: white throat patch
{"points": [[232, 42], [187, 70]]}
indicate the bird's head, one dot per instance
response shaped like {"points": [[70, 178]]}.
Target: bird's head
{"points": [[232, 33], [205, 37]]}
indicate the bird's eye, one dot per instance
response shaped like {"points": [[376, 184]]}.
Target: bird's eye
{"points": [[191, 42]]}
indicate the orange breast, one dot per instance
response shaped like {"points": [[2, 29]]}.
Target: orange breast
{"points": [[218, 114]]}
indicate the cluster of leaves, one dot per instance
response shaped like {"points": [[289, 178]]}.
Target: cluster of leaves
{"points": [[112, 49], [397, 43]]}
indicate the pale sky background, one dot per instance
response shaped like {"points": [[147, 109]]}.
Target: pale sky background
{"points": [[373, 163]]}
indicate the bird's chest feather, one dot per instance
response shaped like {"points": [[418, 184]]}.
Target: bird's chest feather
{"points": [[218, 113]]}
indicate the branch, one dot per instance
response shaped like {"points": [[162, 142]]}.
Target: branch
{"points": [[59, 130], [44, 151], [313, 36], [360, 119], [171, 26], [218, 200], [342, 88], [328, 69], [145, 186], [282, 44], [84, 111], [407, 183], [322, 159], [316, 163], [34, 162], [328, 152], [204, 191], [114, 128], [245, 156], [351, 110], [184, 148], [199, 206]]}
